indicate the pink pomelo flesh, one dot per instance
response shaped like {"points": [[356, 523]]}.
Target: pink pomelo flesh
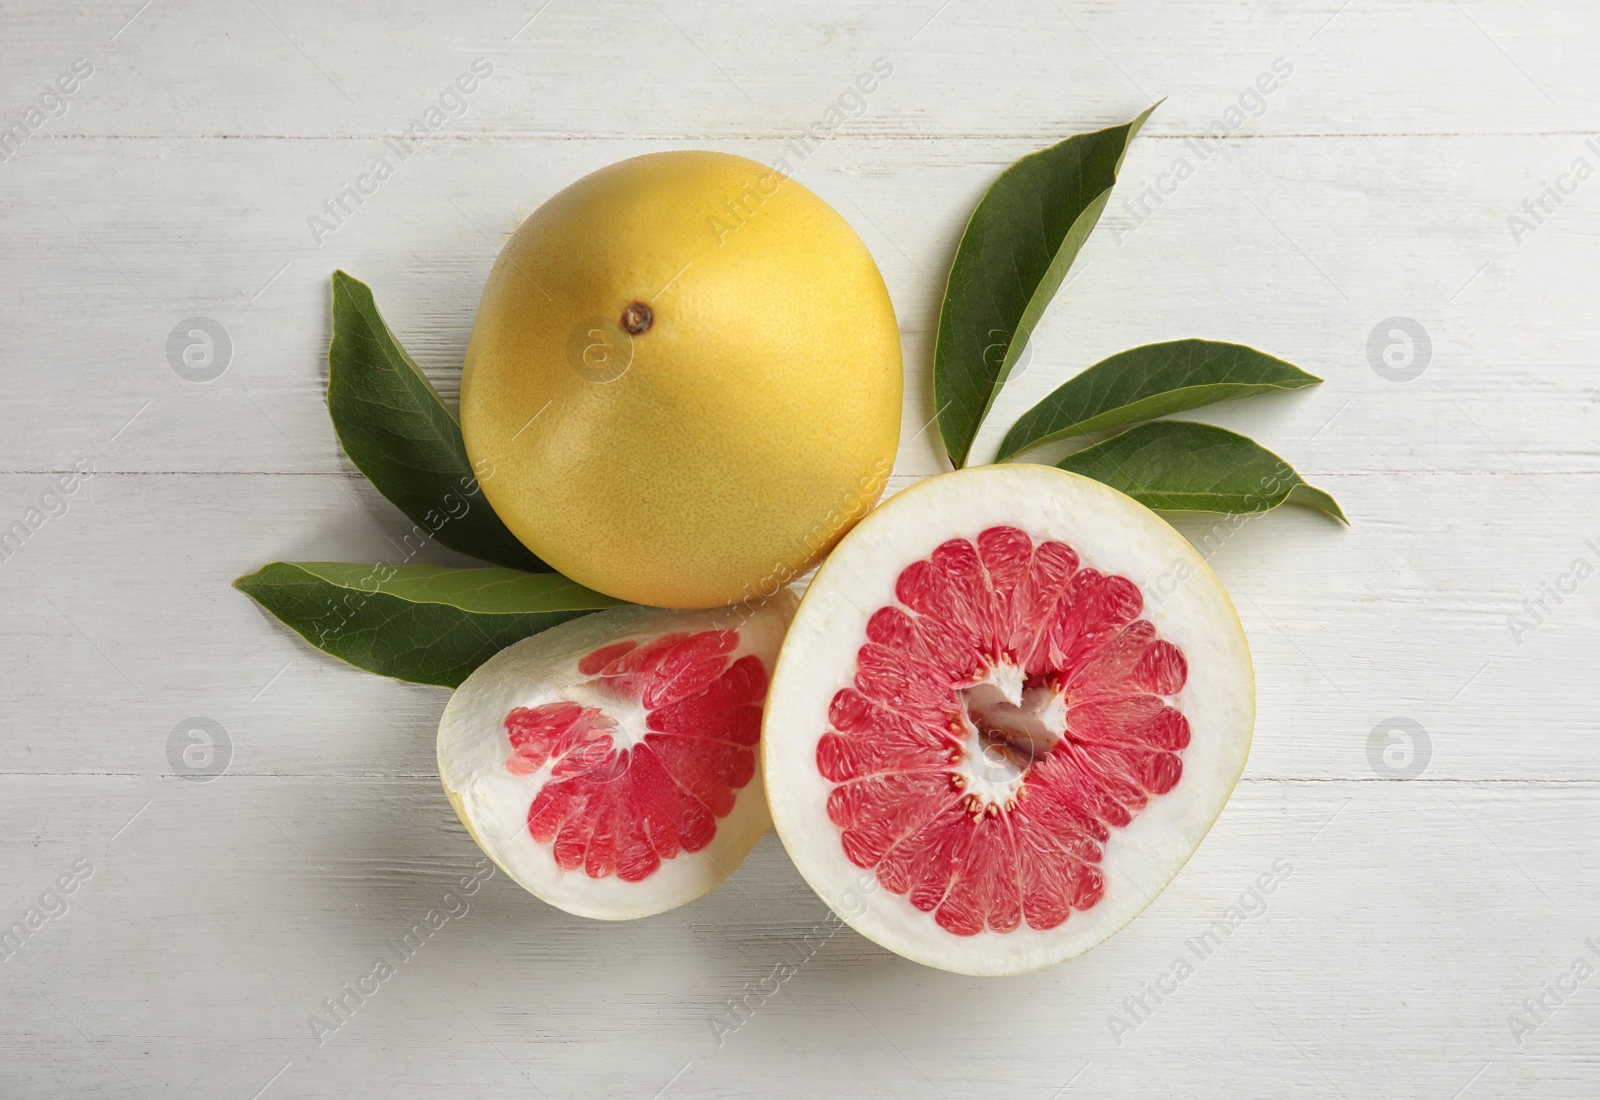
{"points": [[614, 808], [1007, 711]]}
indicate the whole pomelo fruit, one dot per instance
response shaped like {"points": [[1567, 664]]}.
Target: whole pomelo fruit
{"points": [[684, 381]]}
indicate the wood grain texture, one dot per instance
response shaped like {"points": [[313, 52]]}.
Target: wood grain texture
{"points": [[209, 920]]}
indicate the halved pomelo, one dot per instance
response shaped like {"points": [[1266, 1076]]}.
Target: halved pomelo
{"points": [[1010, 706], [610, 764]]}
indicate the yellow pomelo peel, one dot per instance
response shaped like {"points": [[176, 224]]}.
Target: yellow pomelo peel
{"points": [[684, 382]]}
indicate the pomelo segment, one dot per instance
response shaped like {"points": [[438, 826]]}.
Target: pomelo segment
{"points": [[1013, 701], [610, 764]]}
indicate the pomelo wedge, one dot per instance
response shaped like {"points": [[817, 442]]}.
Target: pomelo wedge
{"points": [[1014, 700], [610, 764]]}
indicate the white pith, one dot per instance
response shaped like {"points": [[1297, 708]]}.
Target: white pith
{"points": [[628, 714], [493, 802], [1004, 727], [1111, 533]]}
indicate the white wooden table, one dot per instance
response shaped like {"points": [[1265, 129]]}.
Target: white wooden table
{"points": [[1429, 892]]}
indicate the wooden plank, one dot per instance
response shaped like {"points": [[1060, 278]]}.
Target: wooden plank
{"points": [[1414, 228], [228, 912], [683, 70], [1407, 613]]}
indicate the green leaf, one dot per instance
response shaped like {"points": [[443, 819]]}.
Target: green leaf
{"points": [[423, 623], [1023, 236], [1179, 466], [399, 433], [1150, 381]]}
